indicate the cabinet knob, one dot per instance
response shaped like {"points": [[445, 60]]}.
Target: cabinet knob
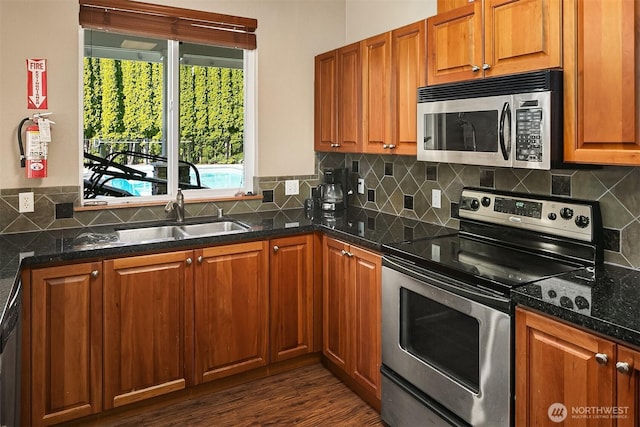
{"points": [[276, 248], [602, 358], [95, 274], [389, 146], [200, 259], [475, 68], [335, 145], [343, 252], [486, 66], [623, 368], [188, 261]]}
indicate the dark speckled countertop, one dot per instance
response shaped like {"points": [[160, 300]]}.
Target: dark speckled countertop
{"points": [[605, 300], [366, 228]]}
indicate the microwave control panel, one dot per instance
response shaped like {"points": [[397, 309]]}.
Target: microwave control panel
{"points": [[529, 132]]}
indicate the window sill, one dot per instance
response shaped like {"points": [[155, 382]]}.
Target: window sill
{"points": [[134, 204]]}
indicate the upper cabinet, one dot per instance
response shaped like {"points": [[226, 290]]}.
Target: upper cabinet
{"points": [[365, 93], [338, 104], [494, 37], [601, 90]]}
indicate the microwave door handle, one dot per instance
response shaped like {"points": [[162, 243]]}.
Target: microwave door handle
{"points": [[505, 116]]}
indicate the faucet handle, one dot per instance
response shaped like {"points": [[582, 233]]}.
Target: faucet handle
{"points": [[169, 206]]}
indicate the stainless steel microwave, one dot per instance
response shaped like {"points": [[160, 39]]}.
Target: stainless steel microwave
{"points": [[510, 121]]}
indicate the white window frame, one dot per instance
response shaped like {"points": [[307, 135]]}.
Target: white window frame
{"points": [[173, 132]]}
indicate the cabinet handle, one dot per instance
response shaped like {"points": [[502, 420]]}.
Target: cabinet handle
{"points": [[475, 68], [486, 66], [389, 146], [602, 358], [623, 368], [188, 261], [95, 274], [200, 259], [276, 248], [343, 252], [335, 145]]}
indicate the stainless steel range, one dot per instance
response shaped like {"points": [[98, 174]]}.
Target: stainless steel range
{"points": [[447, 316]]}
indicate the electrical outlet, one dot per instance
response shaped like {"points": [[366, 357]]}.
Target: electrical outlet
{"points": [[25, 202], [291, 187], [436, 196], [360, 186]]}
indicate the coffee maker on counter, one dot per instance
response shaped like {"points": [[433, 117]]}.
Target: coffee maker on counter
{"points": [[335, 191]]}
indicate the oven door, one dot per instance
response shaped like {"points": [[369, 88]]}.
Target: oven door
{"points": [[448, 340], [473, 131]]}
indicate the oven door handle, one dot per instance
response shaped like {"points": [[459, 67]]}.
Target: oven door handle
{"points": [[449, 284]]}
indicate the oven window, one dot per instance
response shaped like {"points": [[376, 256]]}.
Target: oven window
{"points": [[441, 336], [475, 131]]}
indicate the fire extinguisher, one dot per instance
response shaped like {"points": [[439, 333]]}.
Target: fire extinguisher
{"points": [[38, 136]]}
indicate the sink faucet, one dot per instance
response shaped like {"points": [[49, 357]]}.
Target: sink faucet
{"points": [[177, 205]]}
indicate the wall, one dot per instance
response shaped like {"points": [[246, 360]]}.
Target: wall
{"points": [[290, 34]]}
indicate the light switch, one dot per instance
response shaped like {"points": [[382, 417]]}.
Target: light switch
{"points": [[436, 196], [291, 187]]}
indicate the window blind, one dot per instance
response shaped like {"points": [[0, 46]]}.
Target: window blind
{"points": [[174, 23]]}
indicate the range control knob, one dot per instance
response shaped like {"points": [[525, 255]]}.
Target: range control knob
{"points": [[566, 302], [581, 302], [552, 216], [485, 201], [566, 213], [582, 221], [552, 294], [475, 204]]}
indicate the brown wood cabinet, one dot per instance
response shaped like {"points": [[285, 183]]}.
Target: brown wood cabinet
{"points": [[601, 82], [376, 93], [365, 93], [447, 5], [408, 73], [338, 100], [291, 290], [146, 336], [66, 343], [494, 37], [559, 363], [351, 315], [231, 309]]}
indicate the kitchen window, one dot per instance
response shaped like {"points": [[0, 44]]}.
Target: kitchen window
{"points": [[166, 104]]}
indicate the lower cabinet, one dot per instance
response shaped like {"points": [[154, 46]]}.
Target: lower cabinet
{"points": [[291, 297], [231, 309], [146, 351], [351, 314], [595, 380], [66, 343]]}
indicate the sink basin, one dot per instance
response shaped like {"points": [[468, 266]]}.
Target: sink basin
{"points": [[213, 228], [174, 232], [149, 234]]}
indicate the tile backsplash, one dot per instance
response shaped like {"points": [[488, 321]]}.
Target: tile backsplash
{"points": [[398, 185]]}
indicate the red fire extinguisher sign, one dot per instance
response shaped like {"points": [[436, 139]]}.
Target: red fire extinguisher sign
{"points": [[37, 84]]}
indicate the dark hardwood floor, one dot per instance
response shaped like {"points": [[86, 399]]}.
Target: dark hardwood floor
{"points": [[307, 396]]}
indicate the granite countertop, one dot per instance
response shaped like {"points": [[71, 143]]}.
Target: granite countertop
{"points": [[605, 300], [365, 228]]}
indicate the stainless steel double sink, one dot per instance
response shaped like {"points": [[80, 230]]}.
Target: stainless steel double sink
{"points": [[180, 231]]}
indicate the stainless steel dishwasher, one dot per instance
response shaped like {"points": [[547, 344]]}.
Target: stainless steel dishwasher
{"points": [[10, 340]]}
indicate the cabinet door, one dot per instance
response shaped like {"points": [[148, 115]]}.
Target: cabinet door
{"points": [[454, 45], [601, 75], [376, 92], [522, 35], [557, 363], [628, 386], [66, 342], [365, 275], [291, 297], [349, 99], [231, 309], [447, 5], [326, 101], [336, 302], [408, 73], [144, 326]]}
